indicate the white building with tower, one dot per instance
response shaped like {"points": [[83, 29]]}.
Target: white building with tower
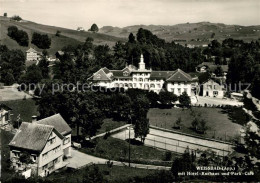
{"points": [[176, 81]]}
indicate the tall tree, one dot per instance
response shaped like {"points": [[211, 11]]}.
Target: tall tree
{"points": [[141, 128], [33, 75], [131, 38], [44, 65], [256, 82], [119, 57], [102, 55]]}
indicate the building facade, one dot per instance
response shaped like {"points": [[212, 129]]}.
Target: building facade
{"points": [[213, 89], [45, 143], [5, 113], [176, 81], [32, 55]]}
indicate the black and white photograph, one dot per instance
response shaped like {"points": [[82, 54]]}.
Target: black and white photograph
{"points": [[129, 91]]}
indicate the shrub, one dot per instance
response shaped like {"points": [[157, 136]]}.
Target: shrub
{"points": [[184, 100], [167, 156], [195, 124], [58, 33], [16, 18]]}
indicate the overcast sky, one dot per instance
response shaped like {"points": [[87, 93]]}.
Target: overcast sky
{"points": [[75, 13]]}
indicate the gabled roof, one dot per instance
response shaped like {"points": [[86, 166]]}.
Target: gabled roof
{"points": [[100, 75], [180, 76], [106, 70], [120, 73], [214, 67], [208, 64], [210, 82], [3, 106], [60, 52], [57, 122], [32, 50], [31, 136]]}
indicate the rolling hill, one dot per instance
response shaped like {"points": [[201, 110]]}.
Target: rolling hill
{"points": [[190, 33], [68, 36]]}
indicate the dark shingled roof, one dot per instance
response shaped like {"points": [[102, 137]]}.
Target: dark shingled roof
{"points": [[180, 76], [31, 136], [120, 74], [106, 70], [161, 74], [58, 122]]}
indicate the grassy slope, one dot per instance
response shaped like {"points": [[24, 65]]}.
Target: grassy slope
{"points": [[6, 137], [201, 30], [217, 120], [116, 149], [68, 36]]}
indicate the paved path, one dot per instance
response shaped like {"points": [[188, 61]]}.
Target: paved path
{"points": [[79, 160], [217, 101], [177, 142], [111, 131]]}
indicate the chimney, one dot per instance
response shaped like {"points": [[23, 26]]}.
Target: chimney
{"points": [[34, 119]]}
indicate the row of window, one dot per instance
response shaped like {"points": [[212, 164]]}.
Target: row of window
{"points": [[51, 164], [143, 74], [51, 141], [66, 140], [212, 87], [178, 90], [53, 151], [134, 85]]}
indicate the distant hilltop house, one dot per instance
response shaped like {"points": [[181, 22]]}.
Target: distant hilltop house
{"points": [[80, 29], [212, 88], [58, 54], [43, 143], [33, 55], [5, 113], [176, 81]]}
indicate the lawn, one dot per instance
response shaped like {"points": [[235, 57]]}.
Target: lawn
{"points": [[219, 122], [116, 149], [116, 174], [26, 108]]}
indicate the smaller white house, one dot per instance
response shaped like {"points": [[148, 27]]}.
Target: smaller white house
{"points": [[45, 142], [32, 55], [213, 89], [4, 114]]}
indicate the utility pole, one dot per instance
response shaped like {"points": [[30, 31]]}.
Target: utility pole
{"points": [[129, 140]]}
